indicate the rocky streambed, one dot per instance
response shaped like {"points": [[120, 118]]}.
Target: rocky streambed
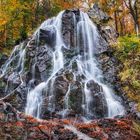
{"points": [[18, 126]]}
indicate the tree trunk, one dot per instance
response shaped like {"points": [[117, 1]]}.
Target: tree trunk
{"points": [[116, 21]]}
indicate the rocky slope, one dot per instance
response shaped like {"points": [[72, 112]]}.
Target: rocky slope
{"points": [[18, 126]]}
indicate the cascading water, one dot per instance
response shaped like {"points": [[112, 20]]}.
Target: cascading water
{"points": [[84, 44], [87, 65], [16, 63], [34, 99], [18, 57]]}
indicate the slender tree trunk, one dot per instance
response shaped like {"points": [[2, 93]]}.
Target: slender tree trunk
{"points": [[116, 21], [137, 26]]}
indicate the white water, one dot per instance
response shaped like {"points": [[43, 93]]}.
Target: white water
{"points": [[34, 99], [15, 63], [81, 136], [18, 54], [86, 62], [66, 102], [87, 66]]}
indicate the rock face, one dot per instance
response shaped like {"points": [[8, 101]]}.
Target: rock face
{"points": [[68, 27], [98, 15], [98, 105], [65, 90]]}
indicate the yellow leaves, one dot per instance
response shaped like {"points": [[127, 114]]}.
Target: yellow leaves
{"points": [[14, 15], [3, 22], [136, 126], [128, 51], [126, 74]]}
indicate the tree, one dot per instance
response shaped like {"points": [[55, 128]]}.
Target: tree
{"points": [[19, 17], [133, 7]]}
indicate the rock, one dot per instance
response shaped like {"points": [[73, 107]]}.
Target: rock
{"points": [[98, 105], [39, 66], [60, 90], [48, 35], [68, 28], [3, 59], [44, 57], [13, 81], [76, 97], [97, 14]]}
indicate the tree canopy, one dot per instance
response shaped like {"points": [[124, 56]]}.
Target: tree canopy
{"points": [[19, 18]]}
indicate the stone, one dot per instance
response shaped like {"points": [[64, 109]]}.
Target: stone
{"points": [[69, 21], [98, 15], [48, 35], [98, 105], [39, 65], [3, 59], [60, 90], [76, 98]]}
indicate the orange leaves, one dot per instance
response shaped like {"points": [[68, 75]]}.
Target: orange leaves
{"points": [[19, 124], [44, 128], [122, 124], [32, 120], [66, 121]]}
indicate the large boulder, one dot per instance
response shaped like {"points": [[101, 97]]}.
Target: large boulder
{"points": [[69, 21], [98, 15], [76, 98], [98, 104]]}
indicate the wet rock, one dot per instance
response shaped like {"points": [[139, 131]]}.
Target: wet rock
{"points": [[44, 57], [14, 80], [60, 90], [39, 65], [3, 59], [94, 87], [69, 28], [31, 47], [2, 89], [48, 35], [97, 14], [17, 98], [98, 105], [99, 17], [76, 97]]}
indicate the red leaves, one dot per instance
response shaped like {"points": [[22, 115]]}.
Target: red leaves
{"points": [[32, 120], [43, 128], [122, 124], [102, 129], [19, 124]]}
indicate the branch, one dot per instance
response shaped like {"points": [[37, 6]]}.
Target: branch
{"points": [[45, 133], [126, 4]]}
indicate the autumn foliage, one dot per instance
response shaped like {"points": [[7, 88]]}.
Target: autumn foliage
{"points": [[19, 18]]}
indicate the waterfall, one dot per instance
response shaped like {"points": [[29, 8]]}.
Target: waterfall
{"points": [[34, 98], [18, 57], [87, 65], [85, 43]]}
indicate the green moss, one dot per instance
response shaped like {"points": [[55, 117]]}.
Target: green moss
{"points": [[136, 84], [128, 45], [128, 52], [136, 126]]}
